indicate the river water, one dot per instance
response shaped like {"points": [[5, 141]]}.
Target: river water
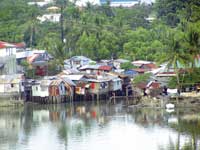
{"points": [[98, 126]]}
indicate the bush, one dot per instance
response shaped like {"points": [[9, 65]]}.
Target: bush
{"points": [[141, 78], [127, 66]]}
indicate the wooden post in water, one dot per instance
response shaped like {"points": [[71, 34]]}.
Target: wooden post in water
{"points": [[127, 95], [97, 96], [114, 98]]}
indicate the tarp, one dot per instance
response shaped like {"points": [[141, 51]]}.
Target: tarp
{"points": [[1, 65], [32, 58]]}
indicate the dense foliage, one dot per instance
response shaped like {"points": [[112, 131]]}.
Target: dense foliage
{"points": [[102, 32]]}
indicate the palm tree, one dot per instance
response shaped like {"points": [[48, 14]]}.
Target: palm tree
{"points": [[192, 41], [31, 26], [175, 55], [62, 4]]}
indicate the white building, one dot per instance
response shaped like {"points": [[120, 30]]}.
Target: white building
{"points": [[8, 56], [83, 3], [52, 17], [120, 3], [41, 3]]}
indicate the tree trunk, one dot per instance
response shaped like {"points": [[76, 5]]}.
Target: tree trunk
{"points": [[31, 37], [178, 86], [61, 24]]}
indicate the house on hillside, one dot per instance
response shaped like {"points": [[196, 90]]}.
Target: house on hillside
{"points": [[131, 73], [144, 66], [139, 70], [117, 62], [90, 69], [51, 17], [148, 67], [69, 71], [41, 3], [39, 61], [77, 62], [139, 63], [97, 69], [120, 3]]}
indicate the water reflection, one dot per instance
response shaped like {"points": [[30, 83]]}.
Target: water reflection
{"points": [[88, 126]]}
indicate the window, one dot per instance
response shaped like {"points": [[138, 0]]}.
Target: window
{"points": [[12, 85]]}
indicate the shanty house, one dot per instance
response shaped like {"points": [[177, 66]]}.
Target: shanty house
{"points": [[97, 69], [148, 67], [39, 61], [77, 62], [11, 85], [139, 63], [41, 88], [115, 84], [58, 88], [98, 86], [90, 69], [117, 63], [79, 81], [131, 73]]}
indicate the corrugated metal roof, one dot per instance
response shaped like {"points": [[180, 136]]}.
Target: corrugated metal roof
{"points": [[139, 70], [77, 58], [95, 67], [68, 81], [121, 60], [140, 62], [6, 44], [55, 82], [150, 66], [117, 74], [97, 80], [74, 77], [105, 68], [70, 71], [103, 78]]}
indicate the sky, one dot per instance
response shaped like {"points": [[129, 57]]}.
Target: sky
{"points": [[83, 2]]}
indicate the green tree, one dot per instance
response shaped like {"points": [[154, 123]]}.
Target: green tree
{"points": [[127, 66], [175, 55]]}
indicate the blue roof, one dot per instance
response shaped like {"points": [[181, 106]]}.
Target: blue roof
{"points": [[130, 73]]}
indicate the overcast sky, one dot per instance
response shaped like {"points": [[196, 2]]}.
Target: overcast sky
{"points": [[83, 2], [148, 1]]}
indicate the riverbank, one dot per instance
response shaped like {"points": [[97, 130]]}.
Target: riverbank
{"points": [[182, 102], [11, 103]]}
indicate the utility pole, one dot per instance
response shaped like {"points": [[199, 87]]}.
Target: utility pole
{"points": [[62, 22], [62, 4]]}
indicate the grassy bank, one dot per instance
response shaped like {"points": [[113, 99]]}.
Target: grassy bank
{"points": [[11, 103]]}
